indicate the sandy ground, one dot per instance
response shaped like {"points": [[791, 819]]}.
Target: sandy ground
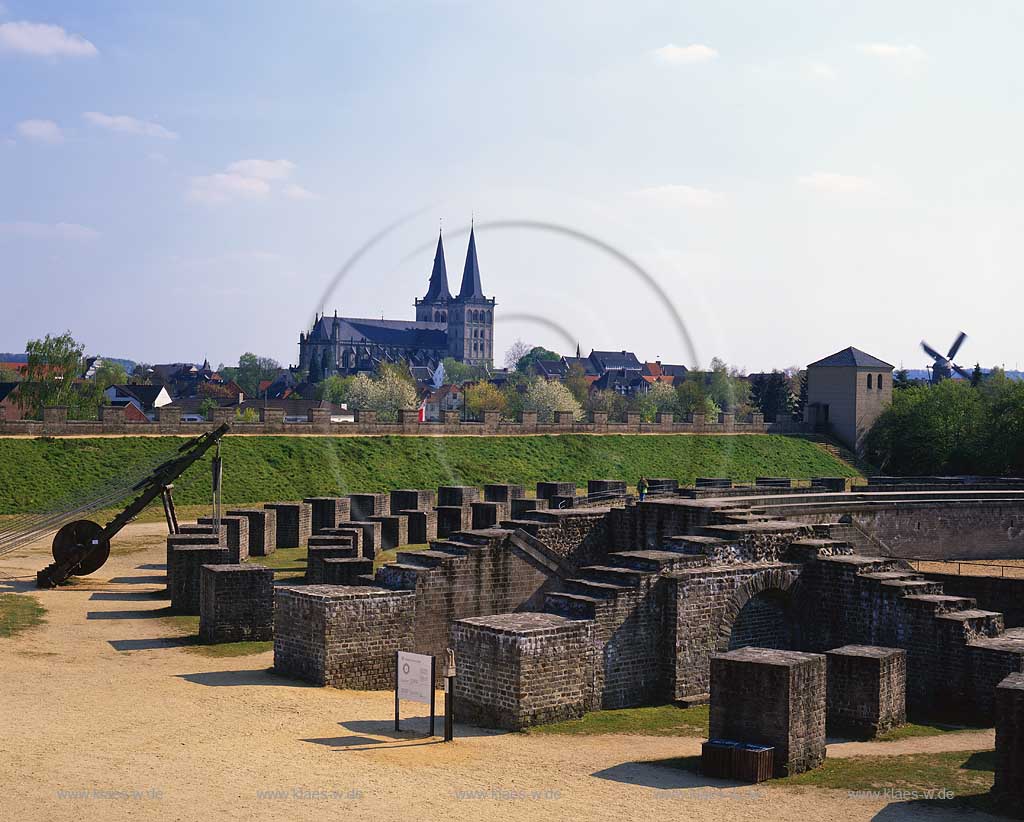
{"points": [[106, 716]]}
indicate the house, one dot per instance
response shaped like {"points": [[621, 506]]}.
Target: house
{"points": [[144, 398], [9, 400], [446, 398], [658, 371], [846, 393], [627, 382]]}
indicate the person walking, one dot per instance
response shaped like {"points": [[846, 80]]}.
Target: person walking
{"points": [[641, 488]]}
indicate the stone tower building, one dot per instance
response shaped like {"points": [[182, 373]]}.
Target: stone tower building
{"points": [[846, 393], [460, 327]]}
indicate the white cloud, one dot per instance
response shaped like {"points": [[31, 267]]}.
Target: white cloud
{"points": [[837, 183], [297, 192], [45, 131], [890, 51], [682, 196], [682, 55], [49, 231], [43, 40], [821, 71], [213, 189], [263, 169], [247, 180], [128, 125]]}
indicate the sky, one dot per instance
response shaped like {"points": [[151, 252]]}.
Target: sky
{"points": [[765, 182]]}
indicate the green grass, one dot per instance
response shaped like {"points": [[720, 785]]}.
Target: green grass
{"points": [[189, 625], [661, 720], [41, 474], [19, 612], [384, 557], [288, 563], [915, 730]]}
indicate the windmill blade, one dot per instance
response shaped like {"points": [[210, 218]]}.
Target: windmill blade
{"points": [[965, 374], [956, 346], [931, 352]]}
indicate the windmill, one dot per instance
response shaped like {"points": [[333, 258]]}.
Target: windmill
{"points": [[944, 366]]}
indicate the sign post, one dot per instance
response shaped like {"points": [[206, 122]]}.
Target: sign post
{"points": [[414, 682], [449, 697]]}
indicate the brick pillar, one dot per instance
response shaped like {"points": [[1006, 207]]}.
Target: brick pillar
{"points": [[366, 421], [272, 419], [1009, 785], [168, 419], [528, 420], [222, 414], [632, 421], [728, 422], [451, 421], [697, 420], [600, 419], [3, 417], [410, 420], [112, 419], [665, 421], [757, 420], [321, 419], [55, 420], [491, 420], [563, 419]]}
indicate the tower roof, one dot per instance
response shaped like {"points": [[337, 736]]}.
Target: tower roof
{"points": [[471, 288], [850, 357], [438, 288]]}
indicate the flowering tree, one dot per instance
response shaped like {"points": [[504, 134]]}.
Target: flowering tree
{"points": [[546, 398]]}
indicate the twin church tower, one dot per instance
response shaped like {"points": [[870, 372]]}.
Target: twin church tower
{"points": [[460, 327]]}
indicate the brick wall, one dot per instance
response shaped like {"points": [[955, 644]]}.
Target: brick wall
{"points": [[1009, 702], [293, 522], [867, 690], [236, 603], [262, 529]]}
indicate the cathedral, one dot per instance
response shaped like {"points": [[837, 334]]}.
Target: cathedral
{"points": [[461, 327]]}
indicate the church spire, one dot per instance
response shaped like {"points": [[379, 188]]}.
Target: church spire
{"points": [[471, 288], [438, 289]]}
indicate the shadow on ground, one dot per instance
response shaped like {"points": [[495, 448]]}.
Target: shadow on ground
{"points": [[258, 676]]}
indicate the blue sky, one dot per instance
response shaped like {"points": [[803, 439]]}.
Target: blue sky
{"points": [[182, 180]]}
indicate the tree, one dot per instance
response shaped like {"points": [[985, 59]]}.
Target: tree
{"points": [[252, 370], [52, 374], [900, 380], [334, 389], [976, 375], [515, 353], [110, 373], [576, 382], [459, 373], [525, 363], [484, 396], [206, 407], [772, 394], [801, 398], [7, 375], [661, 398], [611, 403], [140, 373], [247, 415], [386, 394], [726, 386], [547, 397]]}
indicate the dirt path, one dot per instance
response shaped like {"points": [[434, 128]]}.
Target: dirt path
{"points": [[103, 701]]}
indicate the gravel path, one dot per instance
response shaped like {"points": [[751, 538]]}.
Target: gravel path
{"points": [[105, 716]]}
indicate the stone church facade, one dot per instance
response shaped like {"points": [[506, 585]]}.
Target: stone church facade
{"points": [[460, 326]]}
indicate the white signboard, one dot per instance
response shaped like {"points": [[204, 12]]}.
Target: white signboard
{"points": [[415, 683]]}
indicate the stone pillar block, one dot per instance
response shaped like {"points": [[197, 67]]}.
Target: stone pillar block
{"points": [[338, 635], [346, 571], [262, 529], [488, 514], [318, 553], [235, 536], [370, 543], [236, 603], [112, 419], [204, 538], [867, 690], [1009, 710], [409, 420], [528, 422], [632, 421], [187, 563], [524, 505], [272, 419], [757, 421], [422, 526], [564, 420], [321, 420], [364, 506], [460, 495], [491, 422], [294, 523], [413, 499], [503, 493], [728, 421], [451, 518], [769, 697], [222, 414], [546, 490], [55, 420], [522, 669], [168, 419], [327, 512], [664, 421], [394, 531], [600, 420]]}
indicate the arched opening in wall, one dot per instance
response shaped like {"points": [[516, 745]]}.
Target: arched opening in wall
{"points": [[764, 622], [869, 382]]}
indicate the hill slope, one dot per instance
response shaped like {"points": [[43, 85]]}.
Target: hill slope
{"points": [[42, 474]]}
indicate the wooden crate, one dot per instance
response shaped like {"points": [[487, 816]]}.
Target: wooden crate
{"points": [[727, 759]]}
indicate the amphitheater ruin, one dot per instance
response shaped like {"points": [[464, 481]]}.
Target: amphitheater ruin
{"points": [[794, 611]]}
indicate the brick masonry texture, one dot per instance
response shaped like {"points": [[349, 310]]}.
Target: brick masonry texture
{"points": [[1009, 784], [867, 690], [316, 555], [262, 529], [452, 518], [517, 670], [370, 540], [187, 562], [348, 532], [346, 570], [294, 523], [236, 535], [422, 526], [546, 490], [364, 506], [175, 540], [459, 496], [327, 512], [771, 697], [394, 531], [495, 492], [341, 636], [413, 499], [236, 603]]}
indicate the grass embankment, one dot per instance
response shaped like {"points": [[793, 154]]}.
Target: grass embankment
{"points": [[19, 612], [188, 626], [44, 473]]}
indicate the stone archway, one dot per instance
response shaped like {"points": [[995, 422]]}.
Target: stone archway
{"points": [[759, 613]]}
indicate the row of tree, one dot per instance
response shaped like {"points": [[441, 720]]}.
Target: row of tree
{"points": [[954, 427]]}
